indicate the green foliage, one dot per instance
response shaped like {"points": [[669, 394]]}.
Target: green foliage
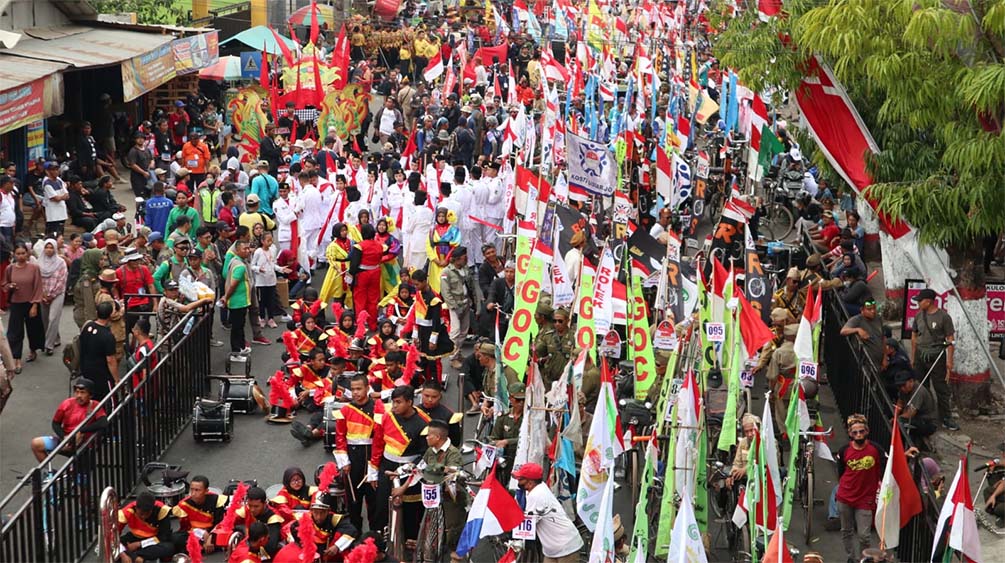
{"points": [[921, 74], [170, 12]]}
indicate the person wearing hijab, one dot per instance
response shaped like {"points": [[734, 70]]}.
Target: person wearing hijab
{"points": [[54, 274], [336, 287], [443, 238], [294, 496], [389, 261]]}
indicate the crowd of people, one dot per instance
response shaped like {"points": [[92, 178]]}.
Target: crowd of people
{"points": [[386, 256]]}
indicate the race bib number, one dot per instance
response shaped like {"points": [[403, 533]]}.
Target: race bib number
{"points": [[716, 332], [199, 532], [430, 495], [808, 370], [675, 385], [747, 378], [526, 530], [148, 542], [489, 453], [192, 163]]}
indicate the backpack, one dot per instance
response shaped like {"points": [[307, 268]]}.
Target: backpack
{"points": [[71, 357]]}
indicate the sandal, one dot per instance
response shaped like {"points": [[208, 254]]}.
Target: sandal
{"points": [[32, 357]]}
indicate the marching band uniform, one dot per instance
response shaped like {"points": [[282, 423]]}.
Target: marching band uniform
{"points": [[272, 521], [354, 430], [198, 518], [397, 441], [155, 529], [335, 530]]}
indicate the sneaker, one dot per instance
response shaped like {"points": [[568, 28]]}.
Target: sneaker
{"points": [[225, 327], [261, 323], [245, 351], [271, 323], [216, 343], [285, 318], [236, 357], [300, 431], [950, 424], [262, 340]]}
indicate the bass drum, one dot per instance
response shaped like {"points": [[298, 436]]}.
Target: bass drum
{"points": [[212, 420], [328, 424], [239, 392]]}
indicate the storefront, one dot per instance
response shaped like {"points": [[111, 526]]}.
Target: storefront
{"points": [[62, 76]]}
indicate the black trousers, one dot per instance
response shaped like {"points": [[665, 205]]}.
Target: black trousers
{"points": [[156, 552], [268, 302], [359, 457], [411, 512], [18, 323], [55, 227], [237, 318]]}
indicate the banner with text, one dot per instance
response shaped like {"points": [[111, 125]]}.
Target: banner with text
{"points": [[196, 52], [147, 71], [591, 166]]}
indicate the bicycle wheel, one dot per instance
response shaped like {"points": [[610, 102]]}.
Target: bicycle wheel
{"points": [[778, 221]]}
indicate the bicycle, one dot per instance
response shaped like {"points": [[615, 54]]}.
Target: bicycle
{"points": [[724, 498], [805, 478]]}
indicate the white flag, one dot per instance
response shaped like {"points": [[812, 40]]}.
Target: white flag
{"points": [[561, 286], [603, 298], [685, 539], [602, 549]]}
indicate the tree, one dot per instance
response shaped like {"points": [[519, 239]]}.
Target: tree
{"points": [[927, 77], [171, 12]]}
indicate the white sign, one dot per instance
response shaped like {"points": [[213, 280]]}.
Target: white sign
{"points": [[675, 385], [666, 337], [430, 495], [702, 164], [489, 454], [716, 332], [747, 378], [526, 529], [808, 370], [591, 166]]}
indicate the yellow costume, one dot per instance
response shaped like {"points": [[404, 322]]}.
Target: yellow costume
{"points": [[335, 286]]}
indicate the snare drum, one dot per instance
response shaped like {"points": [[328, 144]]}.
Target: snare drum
{"points": [[170, 495], [212, 420], [328, 424], [240, 393]]}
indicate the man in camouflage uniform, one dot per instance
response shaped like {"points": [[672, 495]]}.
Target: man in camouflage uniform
{"points": [[544, 315], [555, 350], [457, 287], [506, 431]]}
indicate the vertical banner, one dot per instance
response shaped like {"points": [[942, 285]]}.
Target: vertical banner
{"points": [[603, 298], [756, 287], [523, 327], [36, 140], [675, 295], [586, 336], [639, 340]]}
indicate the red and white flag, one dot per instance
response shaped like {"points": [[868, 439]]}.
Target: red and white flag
{"points": [[553, 70], [434, 69], [768, 8], [898, 499], [664, 175], [758, 119], [958, 511]]}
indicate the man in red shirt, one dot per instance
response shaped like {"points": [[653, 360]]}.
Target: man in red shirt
{"points": [[860, 469], [829, 234], [69, 415], [135, 277]]}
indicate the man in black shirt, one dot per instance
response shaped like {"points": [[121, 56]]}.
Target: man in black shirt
{"points": [[80, 210], [99, 363], [139, 159], [288, 121]]}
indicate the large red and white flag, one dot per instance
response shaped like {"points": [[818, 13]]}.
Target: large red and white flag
{"points": [[768, 8], [434, 69], [811, 316], [898, 499], [958, 511], [664, 175], [758, 119], [840, 133], [553, 70]]}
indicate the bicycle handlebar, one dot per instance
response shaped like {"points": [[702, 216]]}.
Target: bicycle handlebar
{"points": [[824, 433]]}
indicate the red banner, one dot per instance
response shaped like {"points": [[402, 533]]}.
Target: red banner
{"points": [[22, 105]]}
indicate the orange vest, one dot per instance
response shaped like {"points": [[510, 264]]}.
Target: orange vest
{"points": [[139, 527], [192, 516]]}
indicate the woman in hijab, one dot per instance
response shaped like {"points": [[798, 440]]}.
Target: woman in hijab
{"points": [[336, 287], [443, 238], [389, 263], [53, 269], [294, 496]]}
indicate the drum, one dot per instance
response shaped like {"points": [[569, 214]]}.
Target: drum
{"points": [[240, 393], [212, 420], [170, 495], [279, 415], [328, 424]]}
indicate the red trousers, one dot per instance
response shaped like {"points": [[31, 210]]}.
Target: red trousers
{"points": [[366, 295]]}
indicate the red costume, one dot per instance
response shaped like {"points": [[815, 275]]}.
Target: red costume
{"points": [[366, 292]]}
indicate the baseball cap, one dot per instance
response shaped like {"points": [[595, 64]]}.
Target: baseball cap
{"points": [[529, 471], [253, 198], [118, 216], [170, 284], [83, 383], [925, 294], [155, 236], [50, 165]]}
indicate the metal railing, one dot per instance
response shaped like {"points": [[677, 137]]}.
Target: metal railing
{"points": [[52, 513], [858, 388]]}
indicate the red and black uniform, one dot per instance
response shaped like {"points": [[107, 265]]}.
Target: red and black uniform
{"points": [[154, 530], [426, 322], [335, 530], [396, 441], [272, 521], [319, 385], [397, 310], [448, 416], [288, 501], [354, 431], [365, 268], [381, 379], [199, 517], [315, 309], [300, 342]]}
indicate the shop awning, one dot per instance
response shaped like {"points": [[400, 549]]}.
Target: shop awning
{"points": [[261, 36], [83, 47], [18, 71]]}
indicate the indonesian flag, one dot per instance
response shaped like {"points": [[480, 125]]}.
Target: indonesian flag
{"points": [[683, 130], [552, 69], [899, 499], [434, 69], [664, 175], [811, 316], [959, 511], [753, 331], [768, 8], [603, 445], [777, 552], [450, 81], [758, 119], [620, 25]]}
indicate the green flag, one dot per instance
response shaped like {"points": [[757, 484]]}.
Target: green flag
{"points": [[792, 429], [640, 533], [770, 146], [523, 327], [728, 439], [753, 493]]}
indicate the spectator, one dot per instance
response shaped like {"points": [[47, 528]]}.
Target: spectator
{"points": [[868, 327], [253, 216], [237, 298], [171, 309], [195, 154], [265, 187], [70, 414], [22, 281], [6, 371], [140, 161], [855, 292], [56, 196], [158, 209], [79, 209], [227, 208], [171, 268], [208, 195], [181, 208], [264, 269], [182, 231], [933, 349], [860, 466], [917, 406], [8, 208], [135, 278], [100, 363], [53, 270], [108, 292], [143, 346]]}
